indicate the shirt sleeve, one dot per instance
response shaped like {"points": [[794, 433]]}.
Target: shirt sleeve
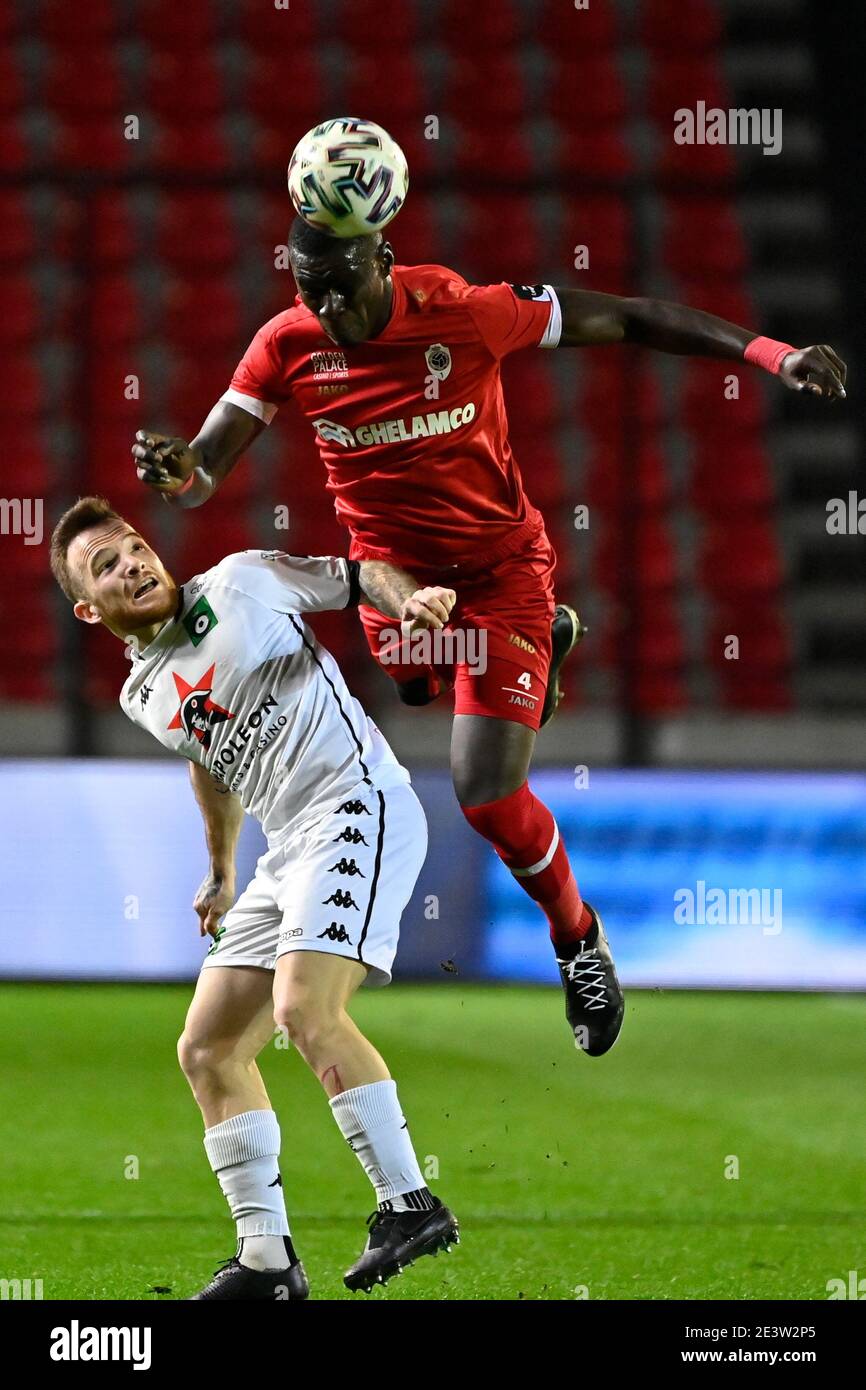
{"points": [[292, 583], [510, 317], [257, 382]]}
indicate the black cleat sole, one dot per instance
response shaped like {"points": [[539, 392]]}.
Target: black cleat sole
{"points": [[445, 1235]]}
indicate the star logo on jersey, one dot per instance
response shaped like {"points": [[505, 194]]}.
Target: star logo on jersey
{"points": [[198, 713], [438, 359]]}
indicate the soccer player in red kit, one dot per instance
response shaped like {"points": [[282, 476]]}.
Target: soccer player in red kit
{"points": [[397, 370]]}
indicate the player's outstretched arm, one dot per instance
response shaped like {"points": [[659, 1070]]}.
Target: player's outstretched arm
{"points": [[223, 816], [589, 318], [188, 474], [396, 594]]}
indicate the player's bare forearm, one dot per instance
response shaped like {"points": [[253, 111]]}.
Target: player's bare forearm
{"points": [[223, 816], [394, 592], [589, 318], [188, 474]]}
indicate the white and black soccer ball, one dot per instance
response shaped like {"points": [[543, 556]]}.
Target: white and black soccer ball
{"points": [[348, 177]]}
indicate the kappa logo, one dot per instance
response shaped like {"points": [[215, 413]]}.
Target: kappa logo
{"points": [[341, 899], [346, 866], [354, 808], [438, 359], [198, 713], [199, 621], [336, 933], [350, 836]]}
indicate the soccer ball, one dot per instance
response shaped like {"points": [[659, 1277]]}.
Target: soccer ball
{"points": [[348, 177]]}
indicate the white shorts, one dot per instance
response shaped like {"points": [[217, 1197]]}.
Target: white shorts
{"points": [[339, 887]]}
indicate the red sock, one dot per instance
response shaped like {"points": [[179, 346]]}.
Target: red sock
{"points": [[525, 836]]}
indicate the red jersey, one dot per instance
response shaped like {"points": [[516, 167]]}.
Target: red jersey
{"points": [[411, 424]]}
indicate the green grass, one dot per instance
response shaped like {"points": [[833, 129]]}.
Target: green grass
{"points": [[563, 1170]]}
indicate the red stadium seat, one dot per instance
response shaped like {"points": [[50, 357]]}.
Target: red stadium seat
{"points": [[731, 477], [392, 87], [282, 90], [616, 480], [78, 26], [481, 149], [118, 310], [491, 95], [25, 392], [763, 638], [103, 93], [97, 144], [110, 388], [706, 407], [28, 457], [197, 383], [271, 31], [682, 81], [484, 27], [207, 539], [415, 234], [196, 75], [695, 166], [566, 30], [28, 637], [646, 548], [196, 233], [196, 146], [587, 90], [13, 93], [117, 235], [740, 560], [688, 25], [108, 466], [601, 223], [500, 238], [183, 302], [601, 154], [21, 316], [533, 403], [17, 230], [15, 152], [374, 26], [704, 240], [188, 28]]}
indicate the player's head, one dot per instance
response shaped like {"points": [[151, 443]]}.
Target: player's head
{"points": [[344, 281], [108, 571]]}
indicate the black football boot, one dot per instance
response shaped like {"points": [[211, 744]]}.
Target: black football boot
{"points": [[594, 1004], [397, 1239], [233, 1280], [566, 631]]}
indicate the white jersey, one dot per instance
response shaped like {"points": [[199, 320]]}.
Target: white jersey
{"points": [[236, 681]]}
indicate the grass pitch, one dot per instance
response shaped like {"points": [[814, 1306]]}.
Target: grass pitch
{"points": [[567, 1173]]}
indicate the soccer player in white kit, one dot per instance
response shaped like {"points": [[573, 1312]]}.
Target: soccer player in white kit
{"points": [[226, 673]]}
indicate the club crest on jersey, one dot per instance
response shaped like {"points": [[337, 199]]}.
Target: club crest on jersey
{"points": [[438, 359], [198, 713], [199, 621]]}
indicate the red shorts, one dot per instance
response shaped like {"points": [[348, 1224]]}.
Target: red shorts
{"points": [[496, 647]]}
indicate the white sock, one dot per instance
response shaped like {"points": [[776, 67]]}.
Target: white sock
{"points": [[372, 1124], [244, 1154]]}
